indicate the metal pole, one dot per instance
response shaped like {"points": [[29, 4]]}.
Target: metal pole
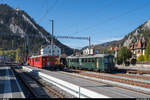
{"points": [[27, 47], [52, 21], [89, 44], [79, 91]]}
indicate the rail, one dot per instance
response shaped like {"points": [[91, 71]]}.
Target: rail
{"points": [[75, 90], [54, 92]]}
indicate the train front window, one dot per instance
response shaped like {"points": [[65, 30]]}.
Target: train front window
{"points": [[110, 59], [105, 60]]}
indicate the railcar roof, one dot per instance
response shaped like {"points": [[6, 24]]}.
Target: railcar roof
{"points": [[90, 56], [42, 56]]}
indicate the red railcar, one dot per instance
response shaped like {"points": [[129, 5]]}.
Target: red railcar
{"points": [[43, 61]]}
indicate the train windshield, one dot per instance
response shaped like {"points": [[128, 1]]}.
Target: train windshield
{"points": [[108, 59], [105, 60]]}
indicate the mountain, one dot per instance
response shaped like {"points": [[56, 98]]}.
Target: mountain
{"points": [[17, 29], [141, 32]]}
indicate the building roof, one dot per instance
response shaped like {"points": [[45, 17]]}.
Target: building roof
{"points": [[89, 56], [44, 55]]}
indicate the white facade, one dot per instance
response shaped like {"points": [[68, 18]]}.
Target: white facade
{"points": [[51, 50], [88, 51]]}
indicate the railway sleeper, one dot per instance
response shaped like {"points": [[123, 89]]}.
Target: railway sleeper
{"points": [[37, 93]]}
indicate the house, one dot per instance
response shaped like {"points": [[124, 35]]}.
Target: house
{"points": [[116, 49], [51, 50], [93, 50], [88, 51], [139, 47]]}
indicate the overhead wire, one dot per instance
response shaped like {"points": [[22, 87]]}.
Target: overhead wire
{"points": [[113, 18], [48, 10], [101, 9]]}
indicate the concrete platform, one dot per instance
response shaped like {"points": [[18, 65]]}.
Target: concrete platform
{"points": [[139, 67], [104, 89], [9, 86]]}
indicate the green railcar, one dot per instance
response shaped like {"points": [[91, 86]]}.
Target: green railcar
{"points": [[99, 62]]}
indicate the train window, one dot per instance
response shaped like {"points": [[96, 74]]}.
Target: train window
{"points": [[88, 60], [82, 60], [85, 59], [105, 60], [110, 59], [77, 60], [93, 60]]}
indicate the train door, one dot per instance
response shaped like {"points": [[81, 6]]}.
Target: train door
{"points": [[33, 61], [97, 63]]}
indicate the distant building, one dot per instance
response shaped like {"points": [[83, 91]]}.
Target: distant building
{"points": [[88, 51], [93, 50], [138, 48], [116, 49], [56, 51], [17, 9]]}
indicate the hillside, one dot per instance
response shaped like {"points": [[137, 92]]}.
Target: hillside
{"points": [[17, 29], [141, 32]]}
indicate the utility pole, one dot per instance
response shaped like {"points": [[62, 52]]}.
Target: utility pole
{"points": [[89, 44], [52, 21]]}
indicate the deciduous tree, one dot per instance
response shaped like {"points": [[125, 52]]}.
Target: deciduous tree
{"points": [[147, 52], [123, 55]]}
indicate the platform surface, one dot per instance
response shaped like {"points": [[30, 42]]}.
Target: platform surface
{"points": [[9, 86], [104, 89]]}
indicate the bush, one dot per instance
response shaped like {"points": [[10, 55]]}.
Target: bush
{"points": [[133, 61], [141, 58]]}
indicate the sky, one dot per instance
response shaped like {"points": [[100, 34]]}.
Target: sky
{"points": [[102, 20]]}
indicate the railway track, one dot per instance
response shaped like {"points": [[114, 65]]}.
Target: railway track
{"points": [[121, 75], [37, 88], [126, 88], [137, 71], [96, 81], [121, 80]]}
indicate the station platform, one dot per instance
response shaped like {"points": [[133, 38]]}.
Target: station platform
{"points": [[109, 91], [134, 67], [9, 86]]}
